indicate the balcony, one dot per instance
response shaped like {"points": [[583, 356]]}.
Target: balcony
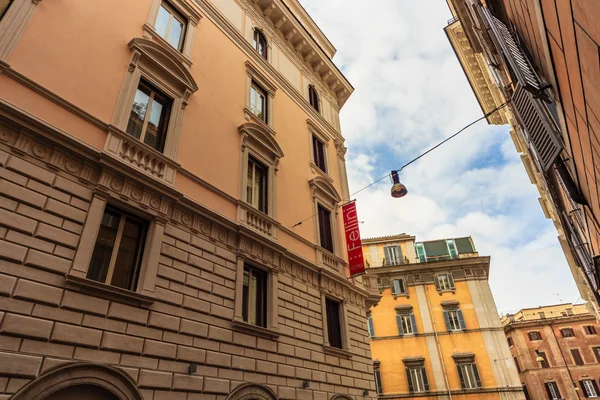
{"points": [[257, 220]]}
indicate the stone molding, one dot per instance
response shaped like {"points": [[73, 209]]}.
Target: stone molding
{"points": [[13, 25], [248, 391], [112, 379]]}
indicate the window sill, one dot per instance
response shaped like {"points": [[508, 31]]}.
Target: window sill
{"points": [[453, 291], [109, 292], [401, 295], [316, 170], [249, 115], [337, 352], [267, 333], [151, 32]]}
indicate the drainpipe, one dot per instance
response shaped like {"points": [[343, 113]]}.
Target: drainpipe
{"points": [[437, 341], [575, 388]]}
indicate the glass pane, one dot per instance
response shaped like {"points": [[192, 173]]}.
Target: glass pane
{"points": [[138, 112], [175, 33], [104, 246], [249, 187], [245, 294], [152, 130], [129, 255], [162, 21]]}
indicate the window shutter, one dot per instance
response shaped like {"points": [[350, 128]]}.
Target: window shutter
{"points": [[477, 378], [425, 381], [370, 327], [548, 391], [461, 377], [437, 283], [413, 322], [410, 383], [399, 322], [451, 280], [461, 320], [447, 320], [583, 389], [397, 288], [402, 285], [595, 387]]}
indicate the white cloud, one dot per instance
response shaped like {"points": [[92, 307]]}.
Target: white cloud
{"points": [[411, 93]]}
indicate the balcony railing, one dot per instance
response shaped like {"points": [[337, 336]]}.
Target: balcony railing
{"points": [[257, 220]]}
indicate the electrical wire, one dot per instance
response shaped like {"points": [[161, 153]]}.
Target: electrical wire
{"points": [[414, 159]]}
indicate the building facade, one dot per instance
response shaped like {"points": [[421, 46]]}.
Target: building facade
{"points": [[556, 350], [436, 333], [155, 159], [537, 62]]}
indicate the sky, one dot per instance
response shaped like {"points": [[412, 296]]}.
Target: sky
{"points": [[410, 94]]}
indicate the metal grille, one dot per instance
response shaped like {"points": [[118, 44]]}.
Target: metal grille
{"points": [[540, 130]]}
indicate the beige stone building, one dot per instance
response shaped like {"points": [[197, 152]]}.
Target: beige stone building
{"points": [[156, 157]]}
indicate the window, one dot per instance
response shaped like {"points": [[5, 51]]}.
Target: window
{"points": [[398, 286], [407, 324], [378, 385], [567, 332], [589, 329], [577, 359], [451, 248], [256, 188], [454, 320], [596, 351], [420, 252], [544, 363], [319, 154], [370, 327], [590, 389], [260, 43], [325, 236], [118, 251], [444, 282], [149, 116], [4, 4], [258, 101], [526, 392], [417, 379], [170, 25], [510, 342], [534, 335], [552, 390], [334, 326], [517, 364], [393, 255], [254, 296], [313, 97], [469, 375]]}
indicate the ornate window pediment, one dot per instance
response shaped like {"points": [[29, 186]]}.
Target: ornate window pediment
{"points": [[162, 58], [261, 139], [322, 187]]}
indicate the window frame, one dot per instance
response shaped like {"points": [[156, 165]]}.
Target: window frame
{"points": [[263, 186], [567, 333], [256, 78], [472, 374], [577, 356], [401, 255], [319, 154], [456, 324], [406, 322], [530, 335], [271, 328], [370, 326], [344, 350], [261, 310], [510, 341], [191, 18], [313, 98], [588, 386], [258, 94], [258, 33], [174, 14], [417, 371], [325, 194], [543, 364], [596, 351], [553, 390], [589, 330], [377, 378], [450, 281], [516, 360], [402, 286], [314, 133]]}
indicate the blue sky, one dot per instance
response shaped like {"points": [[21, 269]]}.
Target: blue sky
{"points": [[411, 93]]}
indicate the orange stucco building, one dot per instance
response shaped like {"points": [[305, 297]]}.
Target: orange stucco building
{"points": [[534, 65], [436, 333], [556, 350], [156, 157]]}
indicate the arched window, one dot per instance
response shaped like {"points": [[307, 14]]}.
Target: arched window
{"points": [[260, 43], [313, 97]]}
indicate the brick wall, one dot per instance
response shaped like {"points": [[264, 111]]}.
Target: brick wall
{"points": [[44, 323]]}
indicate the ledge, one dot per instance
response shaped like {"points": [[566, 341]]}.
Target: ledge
{"points": [[337, 352], [107, 291], [268, 333]]}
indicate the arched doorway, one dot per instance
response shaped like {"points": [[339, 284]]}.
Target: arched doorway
{"points": [[250, 391], [82, 392], [81, 381]]}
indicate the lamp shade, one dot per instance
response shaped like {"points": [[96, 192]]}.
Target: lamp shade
{"points": [[398, 189]]}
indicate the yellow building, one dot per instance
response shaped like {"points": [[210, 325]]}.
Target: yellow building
{"points": [[436, 332]]}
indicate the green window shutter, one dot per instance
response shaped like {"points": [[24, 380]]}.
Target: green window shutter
{"points": [[461, 320], [437, 283], [464, 245], [399, 322], [477, 378], [410, 383], [436, 248], [447, 320], [451, 280], [370, 327], [393, 285], [413, 322]]}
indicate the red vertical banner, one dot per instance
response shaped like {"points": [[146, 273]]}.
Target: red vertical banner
{"points": [[353, 242]]}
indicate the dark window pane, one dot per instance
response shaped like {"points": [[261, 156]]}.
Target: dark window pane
{"points": [[254, 296], [104, 245], [245, 294], [129, 254], [333, 323], [260, 43], [149, 116], [463, 245], [256, 188], [319, 154], [577, 357], [325, 228], [313, 97], [138, 111]]}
